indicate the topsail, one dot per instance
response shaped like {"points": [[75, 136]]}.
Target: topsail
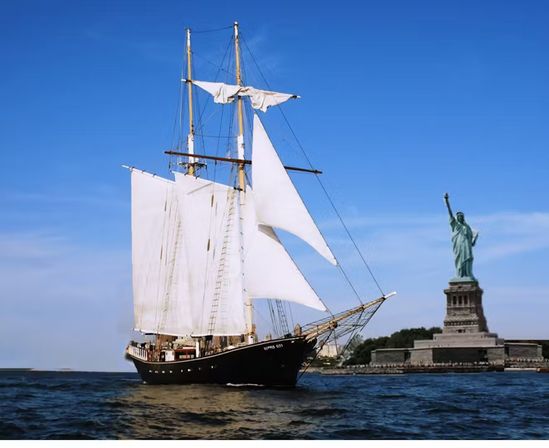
{"points": [[226, 93], [278, 203]]}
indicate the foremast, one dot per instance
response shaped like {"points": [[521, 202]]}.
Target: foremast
{"points": [[191, 163], [248, 307]]}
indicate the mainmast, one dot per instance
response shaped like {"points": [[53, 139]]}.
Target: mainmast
{"points": [[241, 175], [240, 138], [190, 137]]}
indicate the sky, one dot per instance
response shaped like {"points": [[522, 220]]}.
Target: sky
{"points": [[400, 102]]}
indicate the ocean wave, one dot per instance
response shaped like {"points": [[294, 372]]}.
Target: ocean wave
{"points": [[114, 406]]}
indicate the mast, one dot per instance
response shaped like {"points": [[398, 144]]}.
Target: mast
{"points": [[241, 180], [190, 137], [240, 138]]}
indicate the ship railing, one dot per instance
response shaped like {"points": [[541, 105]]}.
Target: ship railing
{"points": [[138, 352]]}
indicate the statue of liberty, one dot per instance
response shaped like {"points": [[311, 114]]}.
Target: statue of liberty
{"points": [[463, 240]]}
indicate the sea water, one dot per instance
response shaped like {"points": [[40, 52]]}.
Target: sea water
{"points": [[74, 405]]}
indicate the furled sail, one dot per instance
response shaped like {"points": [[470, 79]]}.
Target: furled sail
{"points": [[222, 93], [212, 241], [277, 202], [158, 267], [226, 93]]}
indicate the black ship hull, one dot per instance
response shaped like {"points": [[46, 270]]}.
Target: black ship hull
{"points": [[269, 363]]}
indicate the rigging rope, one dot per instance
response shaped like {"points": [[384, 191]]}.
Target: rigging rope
{"points": [[322, 186], [199, 56], [248, 114], [200, 124], [213, 30], [177, 130]]}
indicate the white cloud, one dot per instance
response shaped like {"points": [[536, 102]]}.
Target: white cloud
{"points": [[508, 234]]}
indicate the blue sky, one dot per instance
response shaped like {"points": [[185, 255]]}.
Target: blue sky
{"points": [[401, 101]]}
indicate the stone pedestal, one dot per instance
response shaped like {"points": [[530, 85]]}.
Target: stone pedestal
{"points": [[465, 339], [465, 336], [464, 312]]}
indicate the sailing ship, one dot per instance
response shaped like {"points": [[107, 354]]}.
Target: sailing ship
{"points": [[204, 251]]}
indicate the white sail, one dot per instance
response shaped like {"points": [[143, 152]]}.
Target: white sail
{"points": [[269, 270], [226, 93], [211, 231], [159, 287], [222, 93], [190, 275], [263, 99], [277, 202]]}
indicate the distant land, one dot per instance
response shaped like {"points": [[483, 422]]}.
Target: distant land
{"points": [[32, 369], [15, 369], [359, 350], [60, 370]]}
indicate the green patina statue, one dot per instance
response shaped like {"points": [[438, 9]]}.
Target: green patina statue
{"points": [[463, 240]]}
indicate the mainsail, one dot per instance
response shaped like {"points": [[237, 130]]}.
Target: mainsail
{"points": [[190, 276], [211, 232], [266, 269], [158, 269]]}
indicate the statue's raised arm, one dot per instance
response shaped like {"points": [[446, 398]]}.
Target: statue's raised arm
{"points": [[447, 202]]}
